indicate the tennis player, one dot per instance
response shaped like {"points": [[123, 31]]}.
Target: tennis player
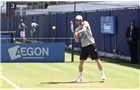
{"points": [[83, 33], [33, 29], [22, 28]]}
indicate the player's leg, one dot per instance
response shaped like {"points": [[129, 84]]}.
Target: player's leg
{"points": [[131, 52], [32, 35], [79, 78], [94, 56], [23, 35], [81, 63], [83, 56], [100, 68]]}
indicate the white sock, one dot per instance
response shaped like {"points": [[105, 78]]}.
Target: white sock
{"points": [[80, 74], [102, 71]]}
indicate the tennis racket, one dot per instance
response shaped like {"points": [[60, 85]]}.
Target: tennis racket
{"points": [[71, 26]]}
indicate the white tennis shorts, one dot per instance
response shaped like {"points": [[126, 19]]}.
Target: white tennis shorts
{"points": [[22, 33]]}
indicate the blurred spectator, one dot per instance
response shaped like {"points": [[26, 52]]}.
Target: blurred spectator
{"points": [[132, 38]]}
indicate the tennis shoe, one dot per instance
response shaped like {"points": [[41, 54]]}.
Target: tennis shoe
{"points": [[79, 79], [103, 76]]}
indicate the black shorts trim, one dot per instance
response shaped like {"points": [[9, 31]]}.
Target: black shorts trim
{"points": [[89, 50]]}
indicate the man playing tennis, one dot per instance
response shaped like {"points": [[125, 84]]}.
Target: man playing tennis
{"points": [[33, 27], [83, 32], [22, 28]]}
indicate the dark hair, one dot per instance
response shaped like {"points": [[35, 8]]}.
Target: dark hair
{"points": [[33, 20], [133, 21]]}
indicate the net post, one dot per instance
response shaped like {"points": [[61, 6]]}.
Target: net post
{"points": [[72, 50]]}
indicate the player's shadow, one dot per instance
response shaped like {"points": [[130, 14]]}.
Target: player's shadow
{"points": [[71, 82]]}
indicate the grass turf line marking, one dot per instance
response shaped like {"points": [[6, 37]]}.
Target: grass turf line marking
{"points": [[14, 85]]}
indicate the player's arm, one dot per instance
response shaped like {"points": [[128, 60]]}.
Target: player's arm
{"points": [[76, 37], [81, 31], [85, 27], [20, 27], [25, 26]]}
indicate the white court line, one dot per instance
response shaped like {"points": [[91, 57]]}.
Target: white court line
{"points": [[72, 89], [14, 85]]}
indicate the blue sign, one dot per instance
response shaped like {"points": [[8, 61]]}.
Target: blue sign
{"points": [[29, 52], [4, 38], [12, 5], [108, 24]]}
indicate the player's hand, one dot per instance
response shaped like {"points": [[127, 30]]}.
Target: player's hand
{"points": [[130, 38], [76, 37], [75, 34]]}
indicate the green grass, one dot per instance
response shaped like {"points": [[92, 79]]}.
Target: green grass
{"points": [[61, 75]]}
